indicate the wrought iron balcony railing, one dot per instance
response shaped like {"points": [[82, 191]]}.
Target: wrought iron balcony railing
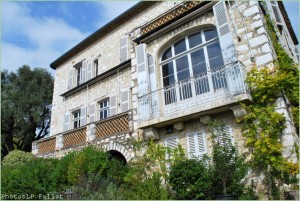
{"points": [[226, 81]]}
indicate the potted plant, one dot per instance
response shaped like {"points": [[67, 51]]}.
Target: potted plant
{"points": [[228, 168]]}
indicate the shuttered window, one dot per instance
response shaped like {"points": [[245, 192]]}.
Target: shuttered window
{"points": [[104, 109], [76, 119], [224, 135], [124, 44], [143, 86], [113, 105], [92, 113], [225, 36], [66, 121], [196, 144], [124, 101]]}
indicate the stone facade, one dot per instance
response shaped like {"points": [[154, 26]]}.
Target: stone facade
{"points": [[252, 47]]}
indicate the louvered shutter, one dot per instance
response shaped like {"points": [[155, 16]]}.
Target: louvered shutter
{"points": [[225, 36], [142, 69], [82, 116], [92, 113], [83, 72], [71, 78], [153, 87], [196, 145], [113, 105], [224, 135], [124, 101], [124, 49], [274, 10], [89, 70], [66, 122], [171, 142]]}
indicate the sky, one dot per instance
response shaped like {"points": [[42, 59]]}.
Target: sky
{"points": [[36, 33]]}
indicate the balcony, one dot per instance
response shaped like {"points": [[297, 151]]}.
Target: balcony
{"points": [[76, 138], [210, 90]]}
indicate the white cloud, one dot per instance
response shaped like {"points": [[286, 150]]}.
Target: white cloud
{"points": [[111, 9], [48, 37]]}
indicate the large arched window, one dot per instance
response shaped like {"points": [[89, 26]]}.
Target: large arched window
{"points": [[193, 56]]}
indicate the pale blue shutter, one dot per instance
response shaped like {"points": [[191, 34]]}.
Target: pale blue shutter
{"points": [[124, 101], [225, 36], [89, 70], [196, 145], [67, 122], [92, 113], [153, 87], [82, 116], [142, 69], [83, 72], [71, 78], [113, 105], [124, 49]]}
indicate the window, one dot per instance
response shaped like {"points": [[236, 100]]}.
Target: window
{"points": [[78, 68], [193, 56], [76, 119], [96, 67], [196, 145], [104, 109]]}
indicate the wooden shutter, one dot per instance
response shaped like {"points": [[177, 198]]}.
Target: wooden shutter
{"points": [[89, 70], [83, 72], [71, 78], [152, 75], [67, 122], [124, 49], [124, 101], [225, 36], [196, 145], [113, 105], [224, 135], [142, 69], [92, 113], [171, 142], [82, 116]]}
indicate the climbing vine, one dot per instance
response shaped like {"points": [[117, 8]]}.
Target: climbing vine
{"points": [[262, 125]]}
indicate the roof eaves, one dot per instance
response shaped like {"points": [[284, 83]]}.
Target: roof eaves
{"points": [[97, 34]]}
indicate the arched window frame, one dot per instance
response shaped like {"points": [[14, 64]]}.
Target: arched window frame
{"points": [[205, 43]]}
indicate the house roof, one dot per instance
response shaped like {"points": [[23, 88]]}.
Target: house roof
{"points": [[134, 10], [288, 22]]}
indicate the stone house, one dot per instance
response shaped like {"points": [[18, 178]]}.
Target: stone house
{"points": [[162, 71]]}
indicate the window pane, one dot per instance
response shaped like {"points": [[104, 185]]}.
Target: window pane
{"points": [[210, 34], [169, 80], [199, 69], [215, 55], [167, 54], [105, 114], [183, 75], [195, 39], [197, 57], [167, 69], [182, 63], [101, 115], [180, 46]]}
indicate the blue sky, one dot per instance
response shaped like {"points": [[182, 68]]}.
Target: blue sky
{"points": [[36, 33]]}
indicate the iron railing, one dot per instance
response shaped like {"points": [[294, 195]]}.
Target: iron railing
{"points": [[228, 80]]}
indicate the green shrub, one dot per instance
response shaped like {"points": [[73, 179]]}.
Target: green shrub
{"points": [[190, 179], [16, 158], [34, 177]]}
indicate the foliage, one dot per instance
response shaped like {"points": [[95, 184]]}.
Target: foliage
{"points": [[16, 158], [262, 125], [190, 179], [227, 166], [33, 177], [25, 107], [149, 170]]}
